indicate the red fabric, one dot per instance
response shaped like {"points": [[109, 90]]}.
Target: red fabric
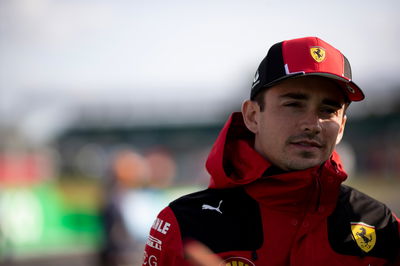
{"points": [[294, 207], [297, 57], [234, 152], [164, 245], [296, 54]]}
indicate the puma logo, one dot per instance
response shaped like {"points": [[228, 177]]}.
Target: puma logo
{"points": [[208, 207]]}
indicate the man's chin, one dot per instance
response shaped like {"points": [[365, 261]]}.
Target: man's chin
{"points": [[303, 164]]}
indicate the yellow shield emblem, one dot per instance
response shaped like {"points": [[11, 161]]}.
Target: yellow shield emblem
{"points": [[364, 235], [237, 261], [318, 53]]}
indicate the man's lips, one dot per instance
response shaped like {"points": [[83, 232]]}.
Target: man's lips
{"points": [[307, 143]]}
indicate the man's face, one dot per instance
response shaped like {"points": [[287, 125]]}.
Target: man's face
{"points": [[301, 123]]}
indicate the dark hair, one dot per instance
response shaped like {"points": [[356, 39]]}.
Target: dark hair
{"points": [[259, 98]]}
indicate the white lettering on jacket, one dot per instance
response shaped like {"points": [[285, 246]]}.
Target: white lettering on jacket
{"points": [[154, 242], [161, 226], [152, 260]]}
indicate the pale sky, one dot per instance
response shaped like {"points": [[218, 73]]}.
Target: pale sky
{"points": [[161, 57]]}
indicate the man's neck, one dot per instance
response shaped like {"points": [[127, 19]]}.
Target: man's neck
{"points": [[274, 170]]}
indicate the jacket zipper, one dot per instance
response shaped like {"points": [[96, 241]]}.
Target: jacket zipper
{"points": [[319, 188], [254, 255]]}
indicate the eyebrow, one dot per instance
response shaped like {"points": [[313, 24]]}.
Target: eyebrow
{"points": [[303, 96], [295, 95], [332, 103]]}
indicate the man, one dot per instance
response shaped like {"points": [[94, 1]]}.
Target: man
{"points": [[275, 195]]}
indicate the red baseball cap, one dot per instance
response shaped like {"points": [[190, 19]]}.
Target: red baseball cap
{"points": [[303, 57]]}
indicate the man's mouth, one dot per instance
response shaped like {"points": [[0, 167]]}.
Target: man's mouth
{"points": [[307, 144]]}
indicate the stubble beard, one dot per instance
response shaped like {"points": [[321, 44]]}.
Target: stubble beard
{"points": [[302, 161]]}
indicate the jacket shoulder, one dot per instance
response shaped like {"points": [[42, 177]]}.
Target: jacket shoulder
{"points": [[164, 245], [362, 226], [220, 218]]}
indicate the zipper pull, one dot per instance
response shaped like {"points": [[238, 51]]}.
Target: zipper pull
{"points": [[254, 255]]}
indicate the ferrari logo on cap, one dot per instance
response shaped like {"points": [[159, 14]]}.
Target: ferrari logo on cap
{"points": [[364, 235], [318, 53]]}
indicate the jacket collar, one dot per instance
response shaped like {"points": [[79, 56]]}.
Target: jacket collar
{"points": [[233, 160]]}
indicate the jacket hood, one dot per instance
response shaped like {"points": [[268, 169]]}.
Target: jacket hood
{"points": [[233, 161]]}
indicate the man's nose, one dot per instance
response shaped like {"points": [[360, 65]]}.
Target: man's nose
{"points": [[311, 123]]}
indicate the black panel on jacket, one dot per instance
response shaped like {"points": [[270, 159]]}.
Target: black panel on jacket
{"points": [[354, 206], [238, 227]]}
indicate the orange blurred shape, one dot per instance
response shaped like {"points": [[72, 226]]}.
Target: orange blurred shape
{"points": [[130, 169], [200, 255], [162, 168]]}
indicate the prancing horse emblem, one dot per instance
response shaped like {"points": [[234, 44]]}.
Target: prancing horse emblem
{"points": [[364, 235], [318, 53], [208, 207]]}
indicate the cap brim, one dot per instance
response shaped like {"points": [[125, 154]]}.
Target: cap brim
{"points": [[350, 89]]}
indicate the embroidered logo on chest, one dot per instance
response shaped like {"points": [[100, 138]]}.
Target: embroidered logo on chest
{"points": [[364, 235], [209, 207], [237, 261]]}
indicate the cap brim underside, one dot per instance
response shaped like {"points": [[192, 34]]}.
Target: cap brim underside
{"points": [[353, 92]]}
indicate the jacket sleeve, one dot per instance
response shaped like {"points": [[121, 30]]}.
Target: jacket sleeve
{"points": [[164, 245]]}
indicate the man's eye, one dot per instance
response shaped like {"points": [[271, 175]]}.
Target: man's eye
{"points": [[329, 110], [293, 104]]}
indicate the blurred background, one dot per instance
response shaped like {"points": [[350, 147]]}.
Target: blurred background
{"points": [[108, 110]]}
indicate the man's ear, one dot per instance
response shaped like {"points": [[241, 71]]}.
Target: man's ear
{"points": [[251, 114], [341, 130]]}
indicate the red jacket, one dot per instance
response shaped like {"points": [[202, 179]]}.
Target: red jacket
{"points": [[254, 214]]}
